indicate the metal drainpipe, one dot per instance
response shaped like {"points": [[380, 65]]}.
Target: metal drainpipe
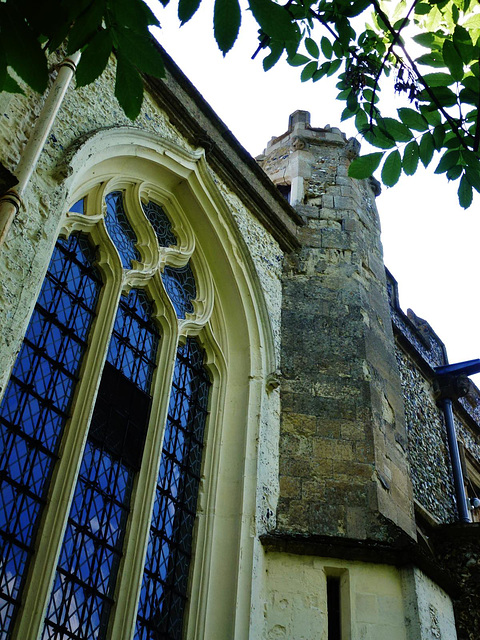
{"points": [[11, 201], [461, 498]]}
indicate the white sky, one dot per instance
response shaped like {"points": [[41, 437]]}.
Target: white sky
{"points": [[431, 245]]}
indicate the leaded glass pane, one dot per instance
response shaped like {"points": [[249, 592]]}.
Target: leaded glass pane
{"points": [[120, 230], [79, 206], [161, 224], [180, 286], [36, 406], [84, 586], [133, 346], [164, 585]]}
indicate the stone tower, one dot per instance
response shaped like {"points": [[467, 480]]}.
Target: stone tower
{"points": [[343, 460]]}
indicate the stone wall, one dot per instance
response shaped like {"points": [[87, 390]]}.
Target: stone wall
{"points": [[427, 443], [419, 350]]}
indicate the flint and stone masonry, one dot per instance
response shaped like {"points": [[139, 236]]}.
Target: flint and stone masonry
{"points": [[343, 450]]}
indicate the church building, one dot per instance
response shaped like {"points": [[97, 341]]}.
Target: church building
{"points": [[216, 422]]}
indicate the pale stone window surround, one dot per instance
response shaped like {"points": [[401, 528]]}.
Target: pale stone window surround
{"points": [[239, 353]]}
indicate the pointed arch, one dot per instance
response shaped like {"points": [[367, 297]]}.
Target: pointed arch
{"points": [[228, 320]]}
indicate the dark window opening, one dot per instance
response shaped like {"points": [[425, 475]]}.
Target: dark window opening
{"points": [[285, 190], [333, 608]]}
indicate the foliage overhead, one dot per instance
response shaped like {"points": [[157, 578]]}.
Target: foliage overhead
{"points": [[431, 49]]}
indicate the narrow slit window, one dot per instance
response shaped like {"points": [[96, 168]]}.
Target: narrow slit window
{"points": [[334, 608]]}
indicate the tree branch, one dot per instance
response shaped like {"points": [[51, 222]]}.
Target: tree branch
{"points": [[396, 37], [414, 67]]}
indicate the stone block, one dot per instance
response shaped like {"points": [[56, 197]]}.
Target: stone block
{"points": [[290, 487]]}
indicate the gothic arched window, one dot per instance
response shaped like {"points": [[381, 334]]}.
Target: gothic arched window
{"points": [[103, 422]]}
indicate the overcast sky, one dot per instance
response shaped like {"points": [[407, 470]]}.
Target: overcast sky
{"points": [[430, 244]]}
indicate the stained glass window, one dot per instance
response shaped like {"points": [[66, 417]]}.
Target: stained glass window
{"points": [[180, 286], [33, 414], [164, 586], [84, 586], [120, 230], [161, 224], [36, 406]]}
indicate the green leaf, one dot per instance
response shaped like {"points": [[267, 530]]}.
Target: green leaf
{"points": [[434, 59], [392, 168], [378, 139], [361, 120], [140, 51], [473, 176], [444, 96], [186, 9], [453, 60], [422, 8], [424, 39], [226, 23], [86, 25], [412, 119], [369, 96], [298, 60], [439, 136], [308, 71], [133, 13], [334, 67], [322, 71], [312, 48], [467, 96], [22, 50], [326, 46], [431, 115], [12, 86], [471, 82], [273, 57], [397, 130], [410, 158], [128, 87], [94, 59], [352, 102], [449, 160], [346, 114], [454, 172], [343, 95], [463, 43], [274, 20], [3, 68], [364, 166], [465, 193], [438, 79], [472, 23]]}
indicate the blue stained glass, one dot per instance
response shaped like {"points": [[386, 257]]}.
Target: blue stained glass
{"points": [[164, 585], [82, 596], [161, 224], [133, 346], [120, 230], [78, 207], [35, 408], [180, 286]]}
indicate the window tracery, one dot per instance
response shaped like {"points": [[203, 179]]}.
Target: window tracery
{"points": [[91, 554]]}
